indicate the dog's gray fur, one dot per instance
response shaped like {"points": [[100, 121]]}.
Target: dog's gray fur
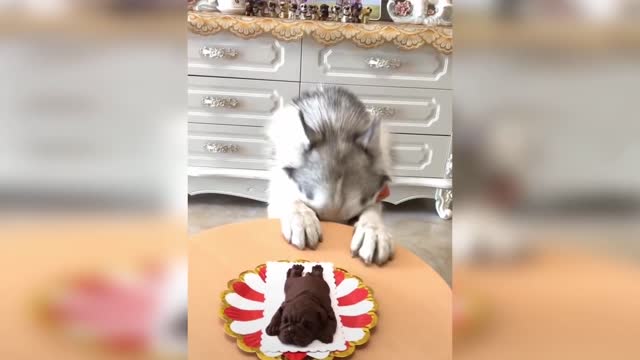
{"points": [[331, 161]]}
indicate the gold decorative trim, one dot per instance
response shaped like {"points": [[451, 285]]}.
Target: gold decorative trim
{"points": [[404, 36]]}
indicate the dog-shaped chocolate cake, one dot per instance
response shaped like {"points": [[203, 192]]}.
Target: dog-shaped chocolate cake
{"points": [[306, 313]]}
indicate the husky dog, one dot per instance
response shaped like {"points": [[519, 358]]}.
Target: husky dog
{"points": [[331, 163]]}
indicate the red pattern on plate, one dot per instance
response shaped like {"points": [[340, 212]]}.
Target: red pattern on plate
{"points": [[242, 315], [262, 271], [246, 292], [339, 276], [358, 321], [353, 297], [253, 340], [118, 314], [295, 355]]}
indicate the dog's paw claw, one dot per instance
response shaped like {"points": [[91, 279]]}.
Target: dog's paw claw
{"points": [[371, 243], [298, 268], [301, 227], [273, 330]]}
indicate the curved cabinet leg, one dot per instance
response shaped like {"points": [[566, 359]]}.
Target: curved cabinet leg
{"points": [[444, 197], [444, 203]]}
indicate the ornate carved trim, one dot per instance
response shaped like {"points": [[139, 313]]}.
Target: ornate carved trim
{"points": [[404, 36], [444, 197]]}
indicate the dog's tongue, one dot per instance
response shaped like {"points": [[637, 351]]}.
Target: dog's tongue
{"points": [[383, 194]]}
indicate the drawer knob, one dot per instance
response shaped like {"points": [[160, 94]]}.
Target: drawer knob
{"points": [[382, 111], [218, 53], [220, 102], [221, 148], [383, 63]]}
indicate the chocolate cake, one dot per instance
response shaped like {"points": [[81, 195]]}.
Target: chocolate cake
{"points": [[306, 313]]}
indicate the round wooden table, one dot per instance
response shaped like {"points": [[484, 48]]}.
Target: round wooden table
{"points": [[414, 303]]}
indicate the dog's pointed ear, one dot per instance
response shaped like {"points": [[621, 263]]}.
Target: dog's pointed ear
{"points": [[308, 131], [366, 138], [313, 137]]}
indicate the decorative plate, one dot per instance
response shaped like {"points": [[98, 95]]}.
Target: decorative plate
{"points": [[139, 311], [243, 301]]}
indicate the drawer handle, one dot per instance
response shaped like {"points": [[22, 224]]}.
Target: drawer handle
{"points": [[218, 53], [220, 102], [221, 148], [382, 63], [382, 111]]}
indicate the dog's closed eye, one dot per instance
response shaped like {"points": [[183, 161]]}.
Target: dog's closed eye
{"points": [[306, 190]]}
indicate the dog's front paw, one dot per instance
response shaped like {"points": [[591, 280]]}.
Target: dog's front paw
{"points": [[273, 329], [371, 242], [301, 227]]}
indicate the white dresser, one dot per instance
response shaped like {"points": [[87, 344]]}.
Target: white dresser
{"points": [[242, 70]]}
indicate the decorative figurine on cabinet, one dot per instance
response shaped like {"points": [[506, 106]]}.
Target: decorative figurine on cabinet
{"points": [[335, 13], [305, 12], [342, 11], [324, 12], [366, 13], [248, 8], [405, 11], [314, 12], [284, 9], [260, 9], [271, 9], [293, 11], [356, 10], [346, 14]]}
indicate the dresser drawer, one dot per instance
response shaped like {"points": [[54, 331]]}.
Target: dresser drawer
{"points": [[408, 111], [233, 147], [236, 101], [345, 63], [227, 55], [419, 155], [246, 147]]}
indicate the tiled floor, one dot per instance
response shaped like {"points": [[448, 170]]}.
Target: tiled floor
{"points": [[414, 224]]}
